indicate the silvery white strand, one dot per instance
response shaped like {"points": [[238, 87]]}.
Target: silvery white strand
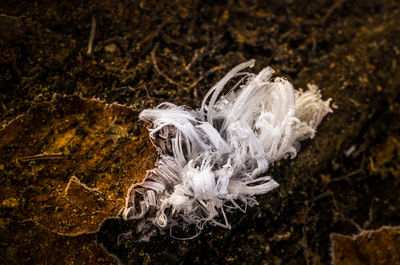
{"points": [[213, 159]]}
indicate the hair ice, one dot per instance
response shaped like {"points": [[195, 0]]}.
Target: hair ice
{"points": [[214, 159]]}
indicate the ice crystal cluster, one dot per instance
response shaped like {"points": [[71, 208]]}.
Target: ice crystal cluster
{"points": [[214, 159]]}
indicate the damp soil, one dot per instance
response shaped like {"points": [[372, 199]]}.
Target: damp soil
{"points": [[71, 143]]}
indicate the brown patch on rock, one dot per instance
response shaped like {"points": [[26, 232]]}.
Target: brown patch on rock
{"points": [[380, 246]]}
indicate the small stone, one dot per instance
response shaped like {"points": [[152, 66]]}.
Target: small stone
{"points": [[111, 48], [10, 203]]}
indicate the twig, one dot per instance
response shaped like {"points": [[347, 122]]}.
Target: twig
{"points": [[195, 57], [370, 216], [154, 59], [44, 156], [304, 231], [148, 40], [321, 196], [335, 6], [352, 222], [346, 177], [2, 104], [169, 39], [91, 35], [212, 70], [141, 85]]}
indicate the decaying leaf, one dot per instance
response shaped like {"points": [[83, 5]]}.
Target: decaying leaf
{"points": [[380, 246], [66, 165]]}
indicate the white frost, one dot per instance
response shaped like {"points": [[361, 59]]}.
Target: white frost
{"points": [[214, 159]]}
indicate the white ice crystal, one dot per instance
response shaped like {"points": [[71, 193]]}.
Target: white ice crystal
{"points": [[214, 159]]}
